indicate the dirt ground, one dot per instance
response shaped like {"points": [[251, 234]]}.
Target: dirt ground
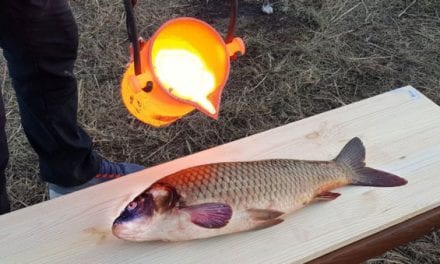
{"points": [[306, 58]]}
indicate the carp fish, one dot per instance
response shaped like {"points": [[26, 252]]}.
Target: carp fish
{"points": [[222, 198]]}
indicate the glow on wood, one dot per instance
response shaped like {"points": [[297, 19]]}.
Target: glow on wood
{"points": [[400, 130]]}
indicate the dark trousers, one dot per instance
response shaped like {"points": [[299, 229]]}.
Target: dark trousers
{"points": [[39, 39]]}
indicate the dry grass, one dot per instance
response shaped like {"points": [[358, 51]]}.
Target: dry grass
{"points": [[310, 56]]}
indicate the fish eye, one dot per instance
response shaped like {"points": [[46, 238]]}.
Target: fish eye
{"points": [[131, 205]]}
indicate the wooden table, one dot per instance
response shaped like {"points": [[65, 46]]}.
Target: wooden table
{"points": [[401, 132]]}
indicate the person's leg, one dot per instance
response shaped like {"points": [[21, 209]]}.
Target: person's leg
{"points": [[4, 155], [4, 201], [40, 46]]}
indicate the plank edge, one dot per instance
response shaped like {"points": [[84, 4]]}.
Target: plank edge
{"points": [[384, 240]]}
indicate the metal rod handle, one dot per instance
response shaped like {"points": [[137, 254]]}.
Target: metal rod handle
{"points": [[232, 18], [133, 35]]}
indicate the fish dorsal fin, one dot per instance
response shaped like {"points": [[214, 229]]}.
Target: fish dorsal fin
{"points": [[209, 215], [264, 214]]}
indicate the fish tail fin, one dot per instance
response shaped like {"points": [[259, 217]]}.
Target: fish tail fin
{"points": [[353, 156]]}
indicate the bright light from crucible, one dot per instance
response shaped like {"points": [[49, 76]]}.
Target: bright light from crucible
{"points": [[186, 76]]}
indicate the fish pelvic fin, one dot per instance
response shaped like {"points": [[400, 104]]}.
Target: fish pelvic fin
{"points": [[353, 156], [265, 217], [264, 214], [327, 196], [268, 223]]}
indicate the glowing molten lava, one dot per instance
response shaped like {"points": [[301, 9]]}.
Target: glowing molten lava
{"points": [[186, 76]]}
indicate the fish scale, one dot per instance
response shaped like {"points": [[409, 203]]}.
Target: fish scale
{"points": [[252, 182]]}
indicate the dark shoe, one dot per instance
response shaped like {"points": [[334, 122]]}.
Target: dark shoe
{"points": [[108, 171], [111, 170]]}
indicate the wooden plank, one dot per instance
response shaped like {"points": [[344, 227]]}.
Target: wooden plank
{"points": [[400, 130], [387, 239]]}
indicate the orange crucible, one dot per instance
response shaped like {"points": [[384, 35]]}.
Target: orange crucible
{"points": [[184, 66]]}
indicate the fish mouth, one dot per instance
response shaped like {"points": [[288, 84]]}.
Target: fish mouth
{"points": [[128, 231], [120, 229], [117, 230], [122, 232]]}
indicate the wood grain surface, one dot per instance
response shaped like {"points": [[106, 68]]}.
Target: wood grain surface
{"points": [[401, 133]]}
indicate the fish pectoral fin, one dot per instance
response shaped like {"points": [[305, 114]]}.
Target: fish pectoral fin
{"points": [[264, 214], [209, 215], [327, 196], [268, 223]]}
